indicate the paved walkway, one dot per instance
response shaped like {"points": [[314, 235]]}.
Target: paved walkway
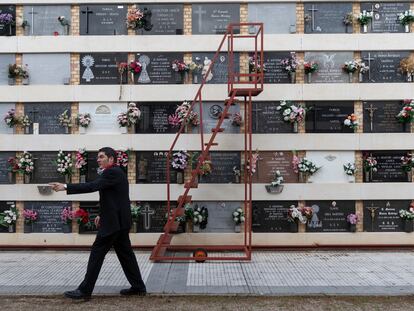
{"points": [[269, 273]]}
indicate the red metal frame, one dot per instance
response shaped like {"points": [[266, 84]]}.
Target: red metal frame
{"points": [[238, 85]]}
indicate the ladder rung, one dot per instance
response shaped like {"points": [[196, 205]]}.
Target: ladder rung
{"points": [[231, 101], [217, 130], [211, 144]]}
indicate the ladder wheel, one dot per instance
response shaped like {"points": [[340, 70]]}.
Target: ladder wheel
{"points": [[200, 252]]}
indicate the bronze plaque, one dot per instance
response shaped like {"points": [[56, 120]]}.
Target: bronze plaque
{"points": [[272, 161]]}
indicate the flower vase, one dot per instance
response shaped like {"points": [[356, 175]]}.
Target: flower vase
{"points": [[26, 81], [11, 229], [67, 179], [408, 225], [352, 227], [409, 176], [292, 77], [186, 79], [293, 226], [295, 127], [407, 27], [10, 30], [10, 177], [309, 75], [196, 228], [131, 78], [367, 176], [365, 28], [195, 78], [180, 177], [351, 178], [124, 130], [134, 227], [82, 130], [27, 178], [302, 177], [27, 129], [237, 228], [12, 81], [351, 77], [66, 129], [361, 77], [237, 179], [274, 189], [409, 78], [82, 179], [189, 226]]}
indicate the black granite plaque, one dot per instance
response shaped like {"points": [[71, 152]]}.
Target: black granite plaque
{"points": [[153, 216], [267, 119], [329, 216], [7, 29], [45, 168], [385, 17], [327, 17], [383, 216], [379, 117], [222, 167], [6, 205], [214, 18], [383, 66], [102, 68], [92, 172], [156, 68], [328, 117], [388, 167], [5, 167], [152, 168], [219, 72], [48, 217], [105, 19], [274, 72], [93, 209], [154, 118], [166, 19], [46, 114], [271, 216]]}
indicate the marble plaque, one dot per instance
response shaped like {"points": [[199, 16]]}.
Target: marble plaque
{"points": [[213, 18], [4, 108], [46, 114], [219, 72], [43, 19], [331, 163], [9, 29], [383, 216], [328, 117], [384, 66], [105, 19], [385, 15], [380, 117], [102, 68], [48, 217], [388, 167], [267, 119], [166, 19], [5, 60], [45, 168], [104, 117], [272, 161], [330, 66], [276, 17], [48, 68], [271, 216], [92, 168], [5, 167], [327, 17]]}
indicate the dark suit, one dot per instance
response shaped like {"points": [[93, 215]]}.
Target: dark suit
{"points": [[115, 222]]}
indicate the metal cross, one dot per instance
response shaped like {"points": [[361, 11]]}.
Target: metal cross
{"points": [[371, 110], [372, 209], [32, 13], [200, 12], [313, 10], [147, 212], [369, 59], [87, 12]]}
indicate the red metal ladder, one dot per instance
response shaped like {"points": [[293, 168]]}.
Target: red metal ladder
{"points": [[239, 85]]}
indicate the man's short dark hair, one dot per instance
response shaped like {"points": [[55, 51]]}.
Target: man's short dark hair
{"points": [[109, 152]]}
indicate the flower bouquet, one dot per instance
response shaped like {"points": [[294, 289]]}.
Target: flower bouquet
{"points": [[350, 67], [82, 218], [276, 184], [7, 19], [407, 67], [407, 163], [304, 167], [13, 168], [236, 119], [406, 114], [64, 165], [351, 121], [135, 213], [82, 163], [135, 67], [350, 170], [17, 71], [348, 20], [256, 68], [83, 120], [179, 162], [29, 216], [370, 166], [122, 70], [139, 19], [292, 113], [25, 122], [295, 216], [352, 220], [200, 217], [26, 166], [364, 18], [408, 216], [130, 117], [290, 65], [363, 69], [65, 121], [64, 23], [11, 119], [255, 159], [406, 19], [9, 217], [310, 67], [177, 119], [67, 215], [238, 218], [122, 159]]}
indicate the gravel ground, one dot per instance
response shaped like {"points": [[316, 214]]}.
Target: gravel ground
{"points": [[210, 303]]}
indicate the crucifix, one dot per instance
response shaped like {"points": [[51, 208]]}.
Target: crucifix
{"points": [[32, 13], [371, 110], [147, 212], [369, 59], [372, 209], [87, 12], [200, 12], [313, 10], [33, 112]]}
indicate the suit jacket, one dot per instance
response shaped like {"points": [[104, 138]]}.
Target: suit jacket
{"points": [[115, 208]]}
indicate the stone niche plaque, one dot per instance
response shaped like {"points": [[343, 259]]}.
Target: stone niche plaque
{"points": [[105, 19], [272, 161], [222, 167], [104, 117], [48, 68], [379, 117], [220, 215], [276, 17], [329, 216], [4, 108], [267, 119], [219, 72], [8, 30], [43, 19], [213, 18], [101, 68], [154, 118], [152, 218], [327, 17], [271, 216], [388, 167], [274, 71], [331, 163], [328, 117], [48, 217], [156, 68], [211, 114], [45, 168], [384, 66], [5, 60], [166, 19], [93, 209], [330, 66], [46, 114], [6, 205], [92, 171], [5, 168], [152, 168], [385, 15], [383, 216]]}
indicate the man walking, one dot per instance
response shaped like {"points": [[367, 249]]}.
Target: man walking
{"points": [[113, 222]]}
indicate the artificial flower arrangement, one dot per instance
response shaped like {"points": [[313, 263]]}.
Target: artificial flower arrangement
{"points": [[13, 164], [139, 19], [350, 169], [18, 71], [198, 216], [193, 66], [11, 119], [63, 20], [135, 67], [406, 19], [351, 121], [408, 216], [351, 66], [255, 159], [291, 63], [9, 217], [82, 217], [301, 214], [352, 219], [26, 163], [67, 215], [25, 121], [122, 158], [236, 119], [180, 160], [304, 166], [135, 212], [206, 168], [176, 119], [64, 163], [84, 119], [310, 67], [407, 162], [348, 19], [370, 164], [238, 216], [406, 114], [179, 66], [292, 113], [29, 216], [65, 120], [7, 19], [364, 17], [130, 117], [82, 161]]}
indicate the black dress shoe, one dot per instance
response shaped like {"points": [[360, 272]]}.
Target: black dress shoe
{"points": [[76, 294], [132, 291]]}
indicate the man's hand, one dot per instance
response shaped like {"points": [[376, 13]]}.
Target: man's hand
{"points": [[97, 220], [57, 186]]}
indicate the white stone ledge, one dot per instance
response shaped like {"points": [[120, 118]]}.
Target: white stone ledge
{"points": [[211, 92], [205, 43], [230, 192]]}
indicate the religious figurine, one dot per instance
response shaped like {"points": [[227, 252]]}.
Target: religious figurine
{"points": [[207, 63]]}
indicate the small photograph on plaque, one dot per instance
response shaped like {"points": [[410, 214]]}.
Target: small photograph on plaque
{"points": [[6, 175], [213, 18], [276, 17], [383, 216], [219, 72], [48, 68], [211, 115], [271, 216], [103, 19], [385, 16], [329, 66], [388, 167], [48, 217], [380, 117], [46, 116], [266, 119], [166, 19], [47, 20], [328, 117], [154, 117], [327, 17], [4, 206], [152, 218], [272, 161], [101, 68], [8, 20], [5, 60], [222, 167], [92, 208], [152, 168]]}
